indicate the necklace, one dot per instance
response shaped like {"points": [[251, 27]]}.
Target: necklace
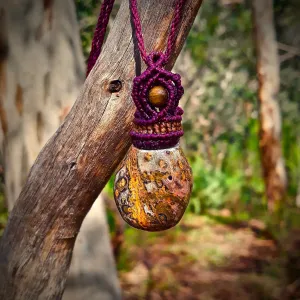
{"points": [[154, 182]]}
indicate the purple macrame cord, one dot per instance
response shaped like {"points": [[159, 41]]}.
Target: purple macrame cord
{"points": [[154, 128], [99, 33], [172, 36]]}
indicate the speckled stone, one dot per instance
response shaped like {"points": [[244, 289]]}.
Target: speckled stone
{"points": [[152, 188]]}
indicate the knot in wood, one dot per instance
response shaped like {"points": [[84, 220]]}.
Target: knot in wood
{"points": [[115, 86]]}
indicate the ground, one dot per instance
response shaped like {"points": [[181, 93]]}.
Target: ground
{"points": [[200, 259]]}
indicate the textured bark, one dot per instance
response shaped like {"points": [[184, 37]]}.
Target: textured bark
{"points": [[41, 71], [269, 110], [78, 160]]}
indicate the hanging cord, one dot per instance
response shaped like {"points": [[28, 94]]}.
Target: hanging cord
{"points": [[102, 23], [157, 128], [172, 35], [154, 128], [99, 33]]}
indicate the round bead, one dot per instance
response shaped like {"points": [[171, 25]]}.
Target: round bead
{"points": [[158, 96]]}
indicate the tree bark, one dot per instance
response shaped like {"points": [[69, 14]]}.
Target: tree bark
{"points": [[269, 111], [41, 71], [92, 273], [78, 160]]}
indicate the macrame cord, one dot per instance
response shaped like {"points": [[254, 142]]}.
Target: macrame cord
{"points": [[154, 127]]}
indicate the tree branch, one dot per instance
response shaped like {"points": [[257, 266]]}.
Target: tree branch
{"points": [[288, 48], [290, 52], [78, 160]]}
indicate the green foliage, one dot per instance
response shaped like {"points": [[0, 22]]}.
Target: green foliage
{"points": [[87, 13], [221, 132], [109, 186], [211, 187]]}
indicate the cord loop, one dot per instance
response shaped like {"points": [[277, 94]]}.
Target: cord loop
{"points": [[156, 59]]}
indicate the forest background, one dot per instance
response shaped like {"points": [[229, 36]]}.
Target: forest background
{"points": [[229, 204]]}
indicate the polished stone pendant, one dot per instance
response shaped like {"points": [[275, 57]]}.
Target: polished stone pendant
{"points": [[154, 182], [152, 188]]}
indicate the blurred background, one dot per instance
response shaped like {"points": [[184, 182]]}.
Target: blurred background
{"points": [[240, 236]]}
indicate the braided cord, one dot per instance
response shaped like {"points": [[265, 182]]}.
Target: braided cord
{"points": [[172, 35], [174, 29], [102, 23], [99, 33], [138, 29]]}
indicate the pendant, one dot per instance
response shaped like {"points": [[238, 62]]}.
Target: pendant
{"points": [[154, 182], [152, 188]]}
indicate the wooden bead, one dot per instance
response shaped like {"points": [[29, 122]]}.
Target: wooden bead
{"points": [[158, 96]]}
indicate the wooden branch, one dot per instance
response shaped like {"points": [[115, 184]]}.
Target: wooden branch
{"points": [[288, 48], [290, 52], [286, 56], [76, 163]]}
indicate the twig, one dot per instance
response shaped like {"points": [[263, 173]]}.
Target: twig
{"points": [[290, 51]]}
